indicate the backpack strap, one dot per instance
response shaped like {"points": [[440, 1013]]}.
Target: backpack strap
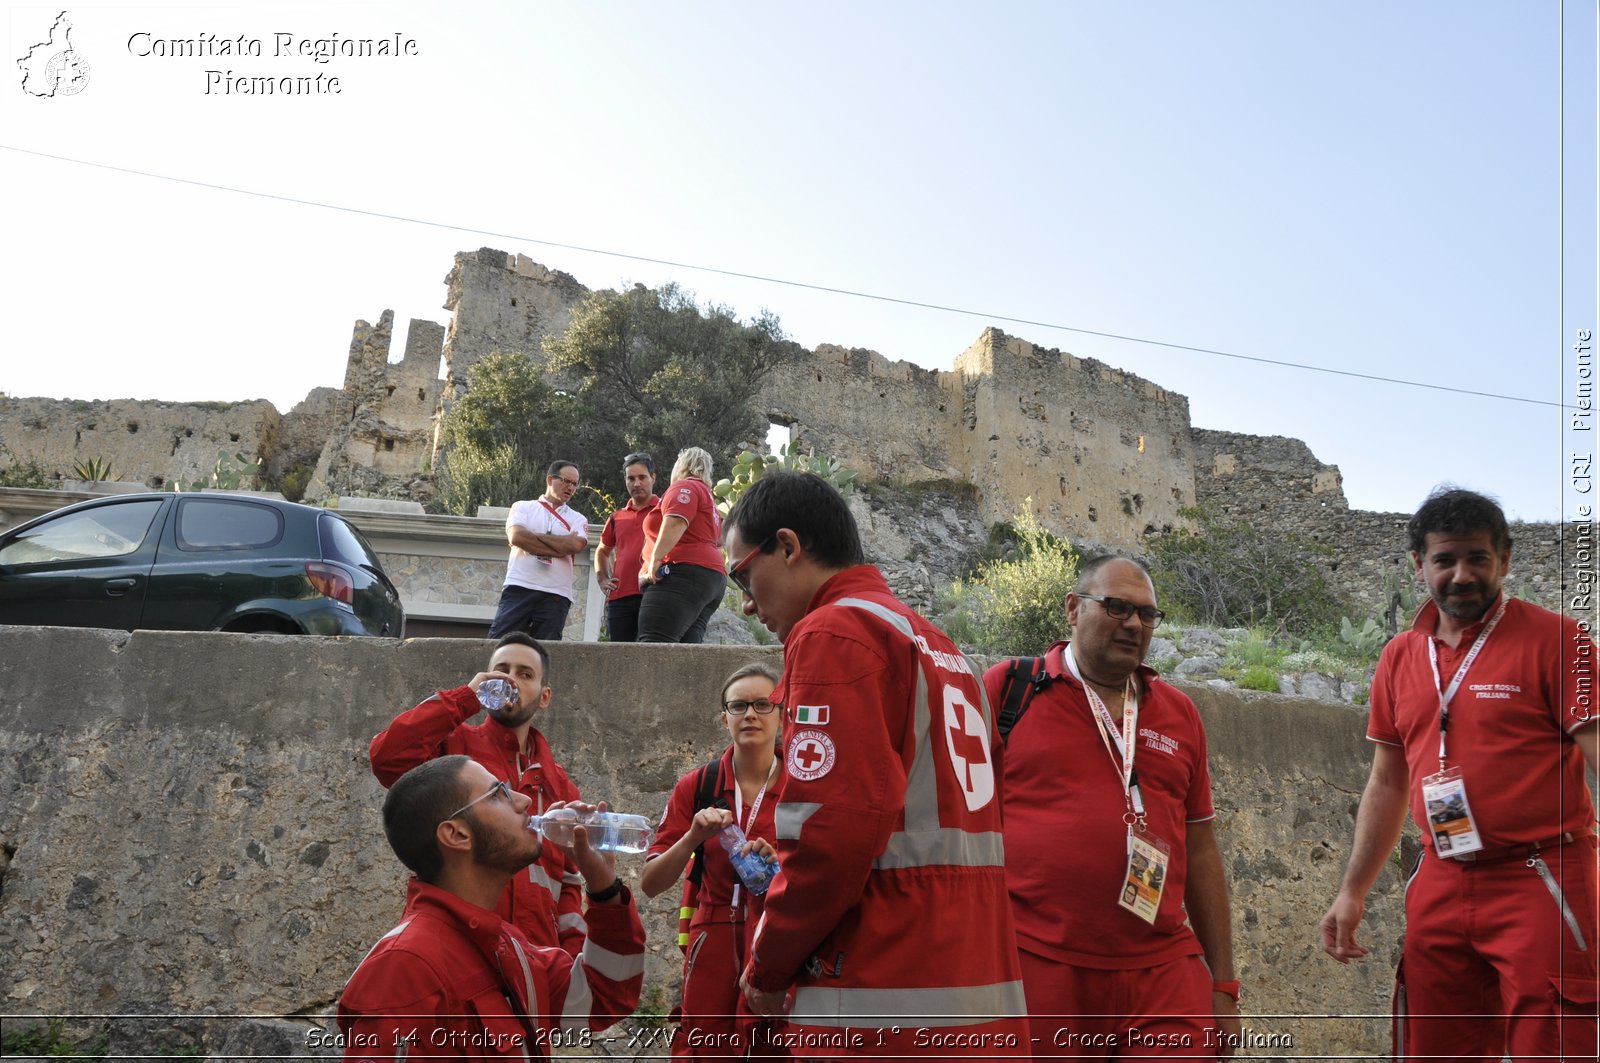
{"points": [[1025, 677], [706, 788]]}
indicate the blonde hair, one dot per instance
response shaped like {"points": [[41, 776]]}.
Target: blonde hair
{"points": [[693, 463]]}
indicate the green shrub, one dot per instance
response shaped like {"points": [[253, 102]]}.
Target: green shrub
{"points": [[1014, 606], [1259, 677]]}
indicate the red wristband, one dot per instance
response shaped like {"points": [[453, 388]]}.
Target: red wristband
{"points": [[1230, 988]]}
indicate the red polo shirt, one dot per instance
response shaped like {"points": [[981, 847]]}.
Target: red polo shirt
{"points": [[624, 535], [1511, 721]]}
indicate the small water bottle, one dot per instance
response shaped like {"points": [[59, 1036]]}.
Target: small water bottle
{"points": [[613, 832], [497, 694], [753, 869]]}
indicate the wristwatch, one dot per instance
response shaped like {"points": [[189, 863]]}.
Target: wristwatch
{"points": [[601, 896]]}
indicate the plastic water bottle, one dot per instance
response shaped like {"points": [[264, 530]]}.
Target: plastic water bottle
{"points": [[753, 869], [614, 832], [496, 694]]}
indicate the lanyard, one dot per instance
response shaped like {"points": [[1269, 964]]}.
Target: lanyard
{"points": [[556, 515], [1122, 755], [1447, 694], [755, 808]]}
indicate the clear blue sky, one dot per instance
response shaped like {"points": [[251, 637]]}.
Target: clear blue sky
{"points": [[1363, 186]]}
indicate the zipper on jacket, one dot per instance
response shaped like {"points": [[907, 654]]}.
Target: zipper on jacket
{"points": [[1537, 863]]}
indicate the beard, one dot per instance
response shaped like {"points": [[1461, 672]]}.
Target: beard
{"points": [[1468, 609], [502, 852]]}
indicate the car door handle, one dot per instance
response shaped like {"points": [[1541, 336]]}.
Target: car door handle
{"points": [[118, 587]]}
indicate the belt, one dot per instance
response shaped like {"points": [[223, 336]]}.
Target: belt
{"points": [[1523, 850]]}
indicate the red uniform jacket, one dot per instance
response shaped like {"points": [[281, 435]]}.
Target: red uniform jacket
{"points": [[891, 910], [545, 902], [455, 981]]}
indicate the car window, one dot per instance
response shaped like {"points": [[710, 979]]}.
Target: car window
{"points": [[341, 542], [227, 524], [102, 531]]}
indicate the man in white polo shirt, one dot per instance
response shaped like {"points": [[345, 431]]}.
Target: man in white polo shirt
{"points": [[545, 535]]}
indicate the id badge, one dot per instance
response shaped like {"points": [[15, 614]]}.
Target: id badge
{"points": [[1146, 877], [1449, 815]]}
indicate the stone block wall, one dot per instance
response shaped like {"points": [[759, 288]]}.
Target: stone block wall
{"points": [[155, 443], [186, 842], [1105, 455], [1277, 483], [503, 302]]}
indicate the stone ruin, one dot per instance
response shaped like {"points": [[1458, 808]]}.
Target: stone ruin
{"points": [[1102, 456]]}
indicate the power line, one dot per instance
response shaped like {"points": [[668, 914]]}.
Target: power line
{"points": [[760, 278]]}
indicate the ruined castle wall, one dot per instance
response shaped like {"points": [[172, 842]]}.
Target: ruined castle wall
{"points": [[1277, 483], [1104, 455], [502, 302], [886, 420], [156, 443]]}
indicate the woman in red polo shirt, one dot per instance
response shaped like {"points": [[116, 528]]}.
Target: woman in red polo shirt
{"points": [[742, 787], [682, 571]]}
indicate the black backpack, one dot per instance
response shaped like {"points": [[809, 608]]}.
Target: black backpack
{"points": [[1025, 677], [707, 787]]}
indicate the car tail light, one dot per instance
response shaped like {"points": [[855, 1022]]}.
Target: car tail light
{"points": [[331, 581]]}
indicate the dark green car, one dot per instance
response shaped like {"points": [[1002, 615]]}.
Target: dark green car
{"points": [[197, 562]]}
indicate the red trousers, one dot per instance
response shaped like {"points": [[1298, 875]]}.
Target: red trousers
{"points": [[1492, 965], [1161, 1012], [716, 1023]]}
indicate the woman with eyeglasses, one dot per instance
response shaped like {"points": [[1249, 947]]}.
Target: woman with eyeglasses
{"points": [[681, 571], [742, 786]]}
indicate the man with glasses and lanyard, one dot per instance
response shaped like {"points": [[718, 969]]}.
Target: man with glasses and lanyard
{"points": [[1482, 720], [1109, 841], [454, 981], [545, 535]]}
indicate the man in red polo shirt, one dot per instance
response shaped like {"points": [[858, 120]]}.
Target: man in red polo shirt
{"points": [[1483, 720], [621, 550]]}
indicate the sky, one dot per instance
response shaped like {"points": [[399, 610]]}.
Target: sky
{"points": [[1366, 187]]}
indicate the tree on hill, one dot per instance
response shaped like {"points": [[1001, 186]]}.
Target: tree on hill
{"points": [[662, 374]]}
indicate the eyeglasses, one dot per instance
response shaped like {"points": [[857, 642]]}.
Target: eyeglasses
{"points": [[739, 574], [639, 457], [761, 707], [501, 789], [1121, 609], [563, 479]]}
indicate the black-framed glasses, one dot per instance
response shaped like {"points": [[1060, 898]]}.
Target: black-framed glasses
{"points": [[739, 707], [739, 574], [501, 788], [1121, 609]]}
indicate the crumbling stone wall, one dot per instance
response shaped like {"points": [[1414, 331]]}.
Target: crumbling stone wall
{"points": [[1277, 483], [155, 443], [1106, 456], [382, 443], [501, 302]]}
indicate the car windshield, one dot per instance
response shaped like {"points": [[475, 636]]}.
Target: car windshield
{"points": [[102, 531]]}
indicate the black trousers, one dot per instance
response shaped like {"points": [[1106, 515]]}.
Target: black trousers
{"points": [[678, 606]]}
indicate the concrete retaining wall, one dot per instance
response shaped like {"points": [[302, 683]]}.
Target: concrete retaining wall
{"points": [[188, 825]]}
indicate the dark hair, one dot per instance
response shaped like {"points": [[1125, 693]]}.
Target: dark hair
{"points": [[1090, 568], [1453, 509], [556, 467], [419, 801], [745, 671], [522, 638], [807, 505], [639, 457]]}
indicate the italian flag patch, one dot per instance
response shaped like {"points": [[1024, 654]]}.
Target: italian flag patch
{"points": [[812, 714]]}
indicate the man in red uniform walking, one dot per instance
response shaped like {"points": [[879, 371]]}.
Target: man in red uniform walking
{"points": [[1120, 897], [454, 981], [1483, 719], [543, 901], [889, 921]]}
